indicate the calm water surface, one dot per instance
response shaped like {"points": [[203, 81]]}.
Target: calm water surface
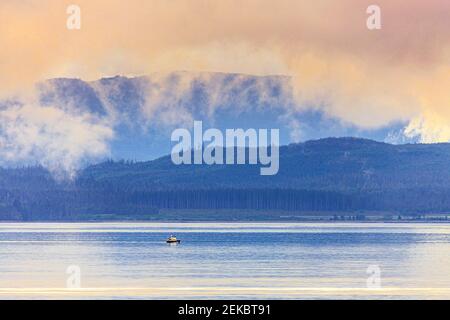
{"points": [[225, 260]]}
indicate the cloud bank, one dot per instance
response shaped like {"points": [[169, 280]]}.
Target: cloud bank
{"points": [[364, 78]]}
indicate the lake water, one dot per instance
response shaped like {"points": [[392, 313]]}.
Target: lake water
{"points": [[225, 260]]}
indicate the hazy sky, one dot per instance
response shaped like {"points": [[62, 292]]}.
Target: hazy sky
{"points": [[367, 78]]}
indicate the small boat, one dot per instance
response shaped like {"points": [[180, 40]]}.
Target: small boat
{"points": [[173, 239]]}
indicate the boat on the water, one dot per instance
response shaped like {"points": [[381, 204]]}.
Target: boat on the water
{"points": [[173, 239]]}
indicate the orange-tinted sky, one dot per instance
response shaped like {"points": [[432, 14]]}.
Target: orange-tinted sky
{"points": [[367, 78]]}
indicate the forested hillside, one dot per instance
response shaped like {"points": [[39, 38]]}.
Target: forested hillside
{"points": [[345, 175]]}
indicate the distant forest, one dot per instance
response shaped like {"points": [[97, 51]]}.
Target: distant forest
{"points": [[346, 175]]}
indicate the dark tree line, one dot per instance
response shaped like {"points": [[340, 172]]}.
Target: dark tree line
{"points": [[79, 204]]}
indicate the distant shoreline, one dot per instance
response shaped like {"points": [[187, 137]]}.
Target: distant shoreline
{"points": [[429, 221], [248, 216]]}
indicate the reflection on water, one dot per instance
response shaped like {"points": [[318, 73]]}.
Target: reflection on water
{"points": [[225, 260]]}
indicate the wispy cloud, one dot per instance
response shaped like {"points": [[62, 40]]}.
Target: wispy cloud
{"points": [[60, 141]]}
